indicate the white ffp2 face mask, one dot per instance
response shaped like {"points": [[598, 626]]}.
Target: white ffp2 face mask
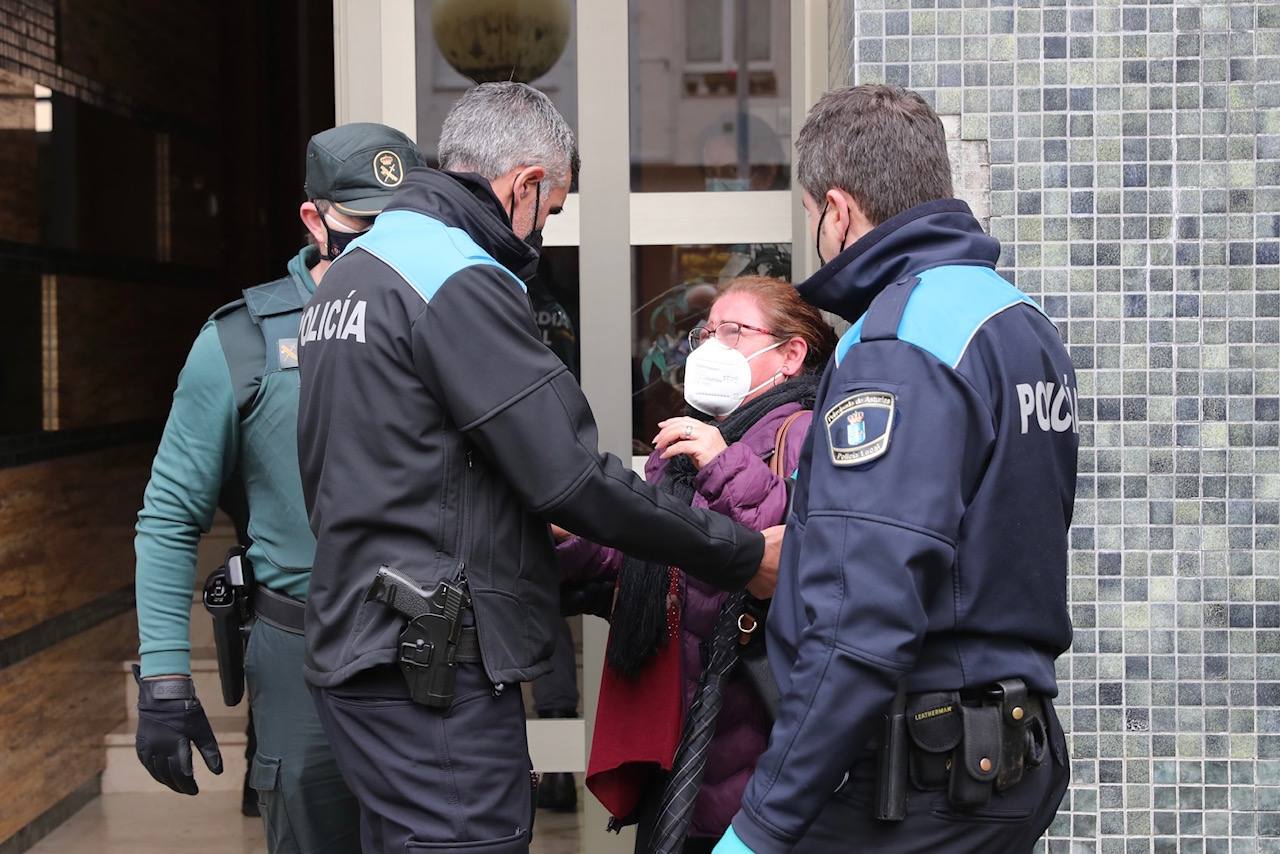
{"points": [[717, 378]]}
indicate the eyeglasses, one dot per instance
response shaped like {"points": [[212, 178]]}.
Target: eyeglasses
{"points": [[726, 332]]}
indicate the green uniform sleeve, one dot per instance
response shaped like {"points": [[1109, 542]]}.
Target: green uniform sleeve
{"points": [[197, 453]]}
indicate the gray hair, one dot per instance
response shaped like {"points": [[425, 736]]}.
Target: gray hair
{"points": [[497, 127], [882, 145]]}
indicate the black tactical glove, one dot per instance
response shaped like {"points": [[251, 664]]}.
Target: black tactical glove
{"points": [[169, 719]]}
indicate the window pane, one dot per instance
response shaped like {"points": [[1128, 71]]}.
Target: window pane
{"points": [[704, 35], [691, 129], [460, 43], [759, 30], [674, 289]]}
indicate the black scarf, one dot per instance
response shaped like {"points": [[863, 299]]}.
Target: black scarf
{"points": [[639, 624]]}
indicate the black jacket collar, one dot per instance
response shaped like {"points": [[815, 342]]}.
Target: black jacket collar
{"points": [[466, 201], [928, 235]]}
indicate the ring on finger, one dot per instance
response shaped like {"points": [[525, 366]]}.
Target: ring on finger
{"points": [[688, 431]]}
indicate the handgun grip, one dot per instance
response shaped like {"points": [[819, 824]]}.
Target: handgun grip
{"points": [[408, 602]]}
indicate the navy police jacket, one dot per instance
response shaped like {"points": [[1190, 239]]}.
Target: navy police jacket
{"points": [[439, 435], [928, 541]]}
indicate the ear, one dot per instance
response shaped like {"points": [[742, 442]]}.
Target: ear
{"points": [[854, 217], [314, 222], [527, 179], [794, 352], [839, 211]]}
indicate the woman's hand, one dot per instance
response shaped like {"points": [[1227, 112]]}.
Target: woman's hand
{"points": [[691, 437]]}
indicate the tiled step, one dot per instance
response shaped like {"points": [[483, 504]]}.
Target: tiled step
{"points": [[124, 773]]}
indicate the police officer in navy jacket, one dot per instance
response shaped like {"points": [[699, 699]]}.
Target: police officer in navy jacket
{"points": [[438, 435], [921, 599]]}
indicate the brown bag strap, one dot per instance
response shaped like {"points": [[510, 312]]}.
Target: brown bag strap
{"points": [[778, 461]]}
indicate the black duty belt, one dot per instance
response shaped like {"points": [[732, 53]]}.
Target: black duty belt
{"points": [[970, 743], [288, 615], [277, 609], [468, 646]]}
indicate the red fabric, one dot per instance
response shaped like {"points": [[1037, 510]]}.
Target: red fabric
{"points": [[637, 730]]}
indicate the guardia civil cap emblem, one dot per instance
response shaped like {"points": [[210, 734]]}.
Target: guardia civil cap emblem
{"points": [[388, 169]]}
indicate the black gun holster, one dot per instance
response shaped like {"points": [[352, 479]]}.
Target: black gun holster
{"points": [[428, 658], [228, 597], [970, 744], [434, 640]]}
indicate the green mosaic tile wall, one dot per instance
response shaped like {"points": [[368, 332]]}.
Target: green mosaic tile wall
{"points": [[1134, 153]]}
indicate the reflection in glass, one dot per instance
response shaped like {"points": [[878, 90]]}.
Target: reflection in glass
{"points": [[674, 289], [709, 95], [475, 39], [553, 296]]}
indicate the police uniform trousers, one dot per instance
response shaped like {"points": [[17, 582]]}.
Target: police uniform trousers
{"points": [[1010, 824], [305, 804], [441, 780]]}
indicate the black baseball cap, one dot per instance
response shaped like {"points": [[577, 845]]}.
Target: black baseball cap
{"points": [[359, 166]]}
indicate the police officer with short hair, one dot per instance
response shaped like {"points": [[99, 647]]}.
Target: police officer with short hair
{"points": [[231, 438], [921, 599], [437, 437]]}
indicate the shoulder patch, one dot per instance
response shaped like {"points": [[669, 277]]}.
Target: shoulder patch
{"points": [[858, 427], [287, 352]]}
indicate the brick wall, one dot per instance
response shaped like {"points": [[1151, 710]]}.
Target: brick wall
{"points": [[162, 143]]}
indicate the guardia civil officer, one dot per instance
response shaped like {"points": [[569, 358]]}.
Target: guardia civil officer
{"points": [[921, 599], [437, 437], [231, 436]]}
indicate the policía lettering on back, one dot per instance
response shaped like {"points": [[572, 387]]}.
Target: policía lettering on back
{"points": [[1049, 406], [342, 319]]}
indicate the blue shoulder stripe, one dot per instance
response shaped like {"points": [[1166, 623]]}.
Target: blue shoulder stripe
{"points": [[851, 336], [423, 251], [946, 310]]}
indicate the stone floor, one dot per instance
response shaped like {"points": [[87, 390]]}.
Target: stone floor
{"points": [[211, 823]]}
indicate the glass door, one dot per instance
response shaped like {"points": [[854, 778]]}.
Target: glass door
{"points": [[685, 112]]}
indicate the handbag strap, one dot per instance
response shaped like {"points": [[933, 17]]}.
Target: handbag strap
{"points": [[778, 462]]}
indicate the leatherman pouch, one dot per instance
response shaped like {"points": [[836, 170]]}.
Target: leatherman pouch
{"points": [[977, 760], [933, 722]]}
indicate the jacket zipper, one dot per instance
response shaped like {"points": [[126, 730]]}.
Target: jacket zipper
{"points": [[464, 549], [464, 524]]}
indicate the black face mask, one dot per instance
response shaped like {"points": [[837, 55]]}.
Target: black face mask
{"points": [[535, 240], [337, 241], [817, 242]]}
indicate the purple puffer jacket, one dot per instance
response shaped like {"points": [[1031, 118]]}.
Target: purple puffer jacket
{"points": [[738, 484]]}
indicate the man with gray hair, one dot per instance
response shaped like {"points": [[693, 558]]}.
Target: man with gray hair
{"points": [[438, 436]]}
